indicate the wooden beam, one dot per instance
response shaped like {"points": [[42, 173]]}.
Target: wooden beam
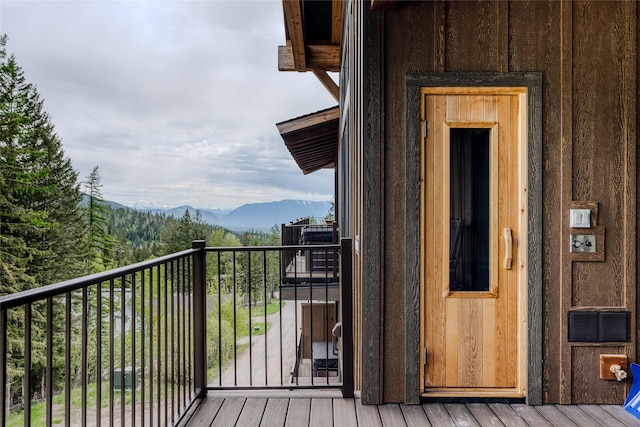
{"points": [[336, 21], [294, 22], [384, 4], [328, 83], [321, 57]]}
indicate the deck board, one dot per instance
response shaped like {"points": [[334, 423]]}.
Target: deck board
{"points": [[485, 416], [344, 413], [230, 410], [298, 413], [275, 413], [367, 415], [461, 414], [555, 416], [619, 413], [321, 413], [510, 417], [438, 415], [206, 413], [322, 410], [414, 416], [578, 416], [530, 415], [252, 412], [601, 416], [391, 416]]}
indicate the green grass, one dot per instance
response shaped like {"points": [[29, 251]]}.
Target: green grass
{"points": [[38, 409], [258, 328], [38, 416], [272, 308]]}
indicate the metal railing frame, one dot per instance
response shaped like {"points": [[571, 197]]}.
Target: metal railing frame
{"points": [[192, 265], [190, 389], [316, 287]]}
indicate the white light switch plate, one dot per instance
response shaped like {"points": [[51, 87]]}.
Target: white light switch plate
{"points": [[580, 218]]}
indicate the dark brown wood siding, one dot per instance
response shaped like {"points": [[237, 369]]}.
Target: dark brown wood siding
{"points": [[587, 53]]}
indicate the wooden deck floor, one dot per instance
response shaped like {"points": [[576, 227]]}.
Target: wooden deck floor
{"points": [[262, 411]]}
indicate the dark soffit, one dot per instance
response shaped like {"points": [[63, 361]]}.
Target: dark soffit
{"points": [[312, 139]]}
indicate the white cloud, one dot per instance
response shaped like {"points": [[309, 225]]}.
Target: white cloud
{"points": [[175, 101]]}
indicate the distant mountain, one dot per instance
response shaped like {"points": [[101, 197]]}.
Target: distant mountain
{"points": [[208, 216], [266, 215], [114, 205], [253, 216], [179, 211]]}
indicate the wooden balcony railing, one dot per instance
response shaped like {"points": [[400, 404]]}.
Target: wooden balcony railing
{"points": [[140, 344]]}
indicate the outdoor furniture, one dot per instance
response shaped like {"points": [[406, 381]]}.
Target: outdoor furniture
{"points": [[323, 361]]}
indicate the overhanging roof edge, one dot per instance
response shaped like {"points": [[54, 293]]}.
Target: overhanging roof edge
{"points": [[312, 139]]}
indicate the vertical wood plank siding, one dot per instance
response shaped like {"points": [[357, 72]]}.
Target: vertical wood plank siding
{"points": [[565, 114], [396, 302], [604, 61], [587, 54]]}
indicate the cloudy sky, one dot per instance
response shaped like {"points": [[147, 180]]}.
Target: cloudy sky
{"points": [[175, 101]]}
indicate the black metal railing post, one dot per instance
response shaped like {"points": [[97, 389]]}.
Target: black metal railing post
{"points": [[26, 379], [3, 366], [346, 300], [199, 317]]}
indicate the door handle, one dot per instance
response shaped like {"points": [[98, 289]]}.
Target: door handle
{"points": [[508, 247]]}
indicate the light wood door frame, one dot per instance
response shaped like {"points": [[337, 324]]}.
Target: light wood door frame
{"points": [[475, 341], [533, 298]]}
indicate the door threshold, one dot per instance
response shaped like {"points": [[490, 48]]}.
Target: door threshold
{"points": [[506, 400], [467, 393]]}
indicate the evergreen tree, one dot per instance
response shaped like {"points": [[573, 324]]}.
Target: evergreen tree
{"points": [[220, 266], [39, 214], [100, 243], [138, 234], [179, 234], [17, 218], [273, 261], [39, 193], [58, 197]]}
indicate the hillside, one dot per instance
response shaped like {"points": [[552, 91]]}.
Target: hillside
{"points": [[252, 216]]}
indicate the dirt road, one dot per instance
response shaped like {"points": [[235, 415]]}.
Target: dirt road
{"points": [[279, 344]]}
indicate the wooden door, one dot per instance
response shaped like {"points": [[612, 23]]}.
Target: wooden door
{"points": [[473, 241]]}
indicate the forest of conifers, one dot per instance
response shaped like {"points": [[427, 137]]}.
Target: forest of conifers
{"points": [[55, 225], [51, 217]]}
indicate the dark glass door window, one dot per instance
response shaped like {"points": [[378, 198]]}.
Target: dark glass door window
{"points": [[469, 207]]}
